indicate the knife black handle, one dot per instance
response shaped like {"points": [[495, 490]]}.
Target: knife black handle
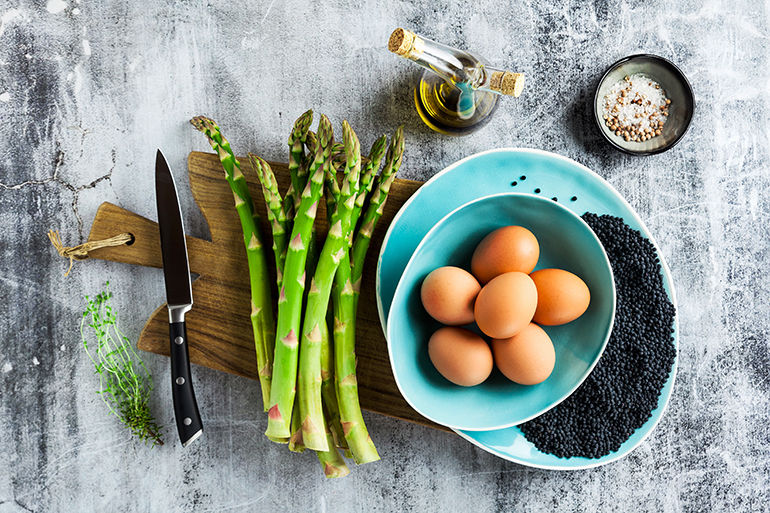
{"points": [[188, 419]]}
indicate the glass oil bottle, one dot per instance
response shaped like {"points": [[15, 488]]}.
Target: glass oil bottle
{"points": [[458, 92]]}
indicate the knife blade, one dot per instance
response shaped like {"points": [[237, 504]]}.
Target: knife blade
{"points": [[176, 274]]}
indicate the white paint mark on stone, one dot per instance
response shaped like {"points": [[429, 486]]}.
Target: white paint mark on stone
{"points": [[715, 268], [250, 43], [8, 17], [5, 97], [77, 78], [35, 361], [267, 12], [7, 367], [56, 6], [86, 47]]}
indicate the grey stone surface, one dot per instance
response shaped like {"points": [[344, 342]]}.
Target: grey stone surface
{"points": [[89, 89]]}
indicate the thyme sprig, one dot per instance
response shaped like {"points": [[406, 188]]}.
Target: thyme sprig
{"points": [[125, 382]]}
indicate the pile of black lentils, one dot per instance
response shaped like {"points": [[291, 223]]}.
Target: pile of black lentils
{"points": [[621, 392]]}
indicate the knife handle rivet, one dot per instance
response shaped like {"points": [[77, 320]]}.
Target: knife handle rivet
{"points": [[180, 381], [187, 421], [179, 341]]}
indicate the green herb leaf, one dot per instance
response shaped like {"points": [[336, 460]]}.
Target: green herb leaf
{"points": [[125, 383]]}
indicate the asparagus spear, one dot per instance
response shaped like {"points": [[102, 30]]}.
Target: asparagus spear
{"points": [[309, 378], [331, 193], [296, 444], [275, 212], [367, 175], [261, 305], [376, 207], [297, 140], [329, 392], [361, 446], [311, 145], [348, 281], [291, 294], [333, 464]]}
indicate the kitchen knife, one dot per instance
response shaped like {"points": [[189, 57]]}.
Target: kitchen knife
{"points": [[176, 272]]}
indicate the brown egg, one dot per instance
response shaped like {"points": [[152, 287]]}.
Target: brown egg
{"points": [[461, 356], [527, 358], [506, 305], [562, 297], [507, 249], [448, 295]]}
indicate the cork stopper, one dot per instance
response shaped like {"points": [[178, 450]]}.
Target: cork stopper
{"points": [[405, 43], [507, 83]]}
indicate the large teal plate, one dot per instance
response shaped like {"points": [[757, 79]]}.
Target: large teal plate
{"points": [[525, 171]]}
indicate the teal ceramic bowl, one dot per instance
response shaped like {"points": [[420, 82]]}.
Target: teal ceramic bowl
{"points": [[566, 242]]}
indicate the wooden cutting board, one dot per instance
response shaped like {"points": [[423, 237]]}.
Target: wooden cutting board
{"points": [[219, 327]]}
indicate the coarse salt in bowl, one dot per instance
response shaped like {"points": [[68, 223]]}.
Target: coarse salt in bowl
{"points": [[641, 92], [566, 242]]}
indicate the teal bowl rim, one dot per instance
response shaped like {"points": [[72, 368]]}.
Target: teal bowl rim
{"points": [[400, 285]]}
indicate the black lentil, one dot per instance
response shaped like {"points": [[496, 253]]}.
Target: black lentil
{"points": [[618, 397]]}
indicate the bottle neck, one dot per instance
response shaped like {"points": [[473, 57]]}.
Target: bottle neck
{"points": [[453, 65]]}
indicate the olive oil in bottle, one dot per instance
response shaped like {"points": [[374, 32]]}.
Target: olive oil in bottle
{"points": [[452, 109], [458, 92]]}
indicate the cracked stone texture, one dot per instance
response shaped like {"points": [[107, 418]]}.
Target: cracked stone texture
{"points": [[89, 90]]}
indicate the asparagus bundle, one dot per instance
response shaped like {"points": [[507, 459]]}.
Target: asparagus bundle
{"points": [[312, 398]]}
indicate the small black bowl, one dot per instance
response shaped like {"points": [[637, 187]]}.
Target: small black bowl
{"points": [[671, 80]]}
